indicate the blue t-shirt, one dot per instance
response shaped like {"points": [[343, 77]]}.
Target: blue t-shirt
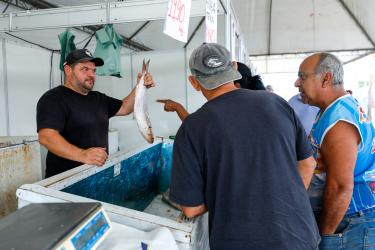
{"points": [[238, 155], [346, 109]]}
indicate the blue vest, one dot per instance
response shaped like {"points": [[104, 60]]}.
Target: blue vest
{"points": [[347, 109]]}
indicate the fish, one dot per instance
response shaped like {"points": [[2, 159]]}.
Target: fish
{"points": [[140, 107]]}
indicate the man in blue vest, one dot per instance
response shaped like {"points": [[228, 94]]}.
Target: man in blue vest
{"points": [[342, 188]]}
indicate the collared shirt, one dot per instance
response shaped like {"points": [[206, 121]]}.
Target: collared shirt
{"points": [[306, 113]]}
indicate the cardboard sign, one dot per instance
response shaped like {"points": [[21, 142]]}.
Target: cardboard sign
{"points": [[211, 21], [177, 21]]}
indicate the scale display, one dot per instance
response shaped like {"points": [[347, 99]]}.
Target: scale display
{"points": [[91, 233], [58, 226]]}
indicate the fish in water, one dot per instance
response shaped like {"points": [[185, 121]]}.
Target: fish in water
{"points": [[140, 107]]}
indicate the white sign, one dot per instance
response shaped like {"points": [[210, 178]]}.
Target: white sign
{"points": [[211, 21], [177, 22]]}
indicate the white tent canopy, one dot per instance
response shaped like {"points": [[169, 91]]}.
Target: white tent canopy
{"points": [[296, 26], [266, 27]]}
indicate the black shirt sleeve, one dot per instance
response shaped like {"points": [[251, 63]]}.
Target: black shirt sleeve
{"points": [[113, 105], [187, 184], [50, 112]]}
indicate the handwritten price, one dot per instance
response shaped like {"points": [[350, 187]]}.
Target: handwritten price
{"points": [[211, 21], [210, 35], [177, 10], [177, 19]]}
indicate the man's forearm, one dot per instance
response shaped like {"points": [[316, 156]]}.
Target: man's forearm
{"points": [[55, 143], [306, 170], [181, 112], [127, 106], [335, 204], [191, 212]]}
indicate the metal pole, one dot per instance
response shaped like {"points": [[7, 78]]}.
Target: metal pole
{"points": [[269, 28], [228, 27], [139, 30], [131, 78], [222, 5], [186, 81], [194, 32], [358, 23], [6, 93]]}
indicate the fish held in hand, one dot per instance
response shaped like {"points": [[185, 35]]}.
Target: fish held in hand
{"points": [[140, 107]]}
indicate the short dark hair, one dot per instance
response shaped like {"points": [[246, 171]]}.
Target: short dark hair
{"points": [[72, 66], [248, 81]]}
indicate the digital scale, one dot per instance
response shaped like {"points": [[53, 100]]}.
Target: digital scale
{"points": [[58, 226]]}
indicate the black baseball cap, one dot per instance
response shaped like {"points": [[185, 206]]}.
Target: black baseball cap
{"points": [[82, 55]]}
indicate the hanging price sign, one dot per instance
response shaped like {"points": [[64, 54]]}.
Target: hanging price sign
{"points": [[211, 21], [177, 21]]}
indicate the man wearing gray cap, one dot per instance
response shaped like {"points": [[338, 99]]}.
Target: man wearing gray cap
{"points": [[248, 165]]}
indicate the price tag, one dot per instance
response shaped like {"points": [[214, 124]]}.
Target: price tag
{"points": [[177, 21], [117, 170], [211, 21]]}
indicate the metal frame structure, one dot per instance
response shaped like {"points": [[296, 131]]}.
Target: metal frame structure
{"points": [[5, 79], [269, 39], [16, 3], [357, 22], [86, 15], [49, 16]]}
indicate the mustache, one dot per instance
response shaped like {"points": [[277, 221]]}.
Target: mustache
{"points": [[90, 78]]}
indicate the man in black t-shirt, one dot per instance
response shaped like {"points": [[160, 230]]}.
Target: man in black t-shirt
{"points": [[244, 157], [73, 120]]}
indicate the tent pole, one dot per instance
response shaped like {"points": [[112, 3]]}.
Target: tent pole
{"points": [[360, 26], [269, 28]]}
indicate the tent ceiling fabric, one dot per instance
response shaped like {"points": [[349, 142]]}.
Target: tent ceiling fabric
{"points": [[295, 26], [299, 26]]}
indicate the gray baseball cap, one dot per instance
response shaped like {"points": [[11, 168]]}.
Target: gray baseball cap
{"points": [[211, 64]]}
